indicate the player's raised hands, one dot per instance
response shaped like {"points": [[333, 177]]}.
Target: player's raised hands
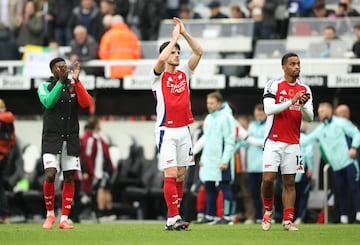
{"points": [[176, 31], [181, 24], [76, 71]]}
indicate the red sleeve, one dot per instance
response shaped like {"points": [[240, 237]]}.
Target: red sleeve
{"points": [[83, 97]]}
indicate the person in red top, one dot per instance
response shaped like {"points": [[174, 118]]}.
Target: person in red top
{"points": [[286, 102], [7, 143], [97, 167], [170, 86]]}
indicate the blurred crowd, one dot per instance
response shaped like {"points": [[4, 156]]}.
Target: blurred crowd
{"points": [[83, 24]]}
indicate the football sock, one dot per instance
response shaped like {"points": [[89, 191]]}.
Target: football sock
{"points": [[268, 203], [220, 204], [180, 191], [49, 196], [201, 200], [288, 214], [67, 197], [171, 196]]}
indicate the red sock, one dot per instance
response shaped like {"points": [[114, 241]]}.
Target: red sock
{"points": [[180, 191], [201, 200], [171, 196], [49, 195], [220, 204], [288, 214], [67, 197], [268, 203]]}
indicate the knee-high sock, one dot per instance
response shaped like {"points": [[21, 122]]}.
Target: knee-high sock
{"points": [[288, 214], [49, 195], [268, 203], [220, 204], [201, 200], [67, 198], [180, 191], [171, 196]]}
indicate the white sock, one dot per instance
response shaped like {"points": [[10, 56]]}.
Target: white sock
{"points": [[50, 213], [357, 216], [344, 219], [172, 220], [63, 217]]}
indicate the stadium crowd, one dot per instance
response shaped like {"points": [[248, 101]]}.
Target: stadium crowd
{"points": [[40, 22]]}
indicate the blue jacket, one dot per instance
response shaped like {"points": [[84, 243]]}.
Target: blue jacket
{"points": [[219, 143], [333, 135]]}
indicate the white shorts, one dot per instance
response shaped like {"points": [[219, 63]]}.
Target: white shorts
{"points": [[174, 146], [286, 156], [61, 161]]}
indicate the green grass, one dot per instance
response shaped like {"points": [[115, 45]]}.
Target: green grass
{"points": [[94, 234]]}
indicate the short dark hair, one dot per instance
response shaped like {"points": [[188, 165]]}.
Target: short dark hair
{"points": [[54, 61], [92, 122], [165, 44], [287, 56], [216, 95]]}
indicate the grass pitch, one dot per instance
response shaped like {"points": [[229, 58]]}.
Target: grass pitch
{"points": [[145, 233]]}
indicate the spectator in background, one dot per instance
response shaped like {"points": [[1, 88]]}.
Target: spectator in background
{"points": [[215, 10], [172, 8], [8, 46], [343, 111], [84, 48], [59, 16], [10, 10], [356, 47], [300, 8], [236, 12], [216, 157], [254, 160], [122, 8], [97, 168], [319, 10], [7, 143], [333, 136], [148, 15], [329, 35], [119, 43], [107, 21], [29, 26], [263, 14], [88, 15], [345, 9], [44, 8], [107, 7], [187, 13]]}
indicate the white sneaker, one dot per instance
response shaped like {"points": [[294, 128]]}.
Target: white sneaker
{"points": [[298, 221], [249, 222], [289, 226], [266, 222]]}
